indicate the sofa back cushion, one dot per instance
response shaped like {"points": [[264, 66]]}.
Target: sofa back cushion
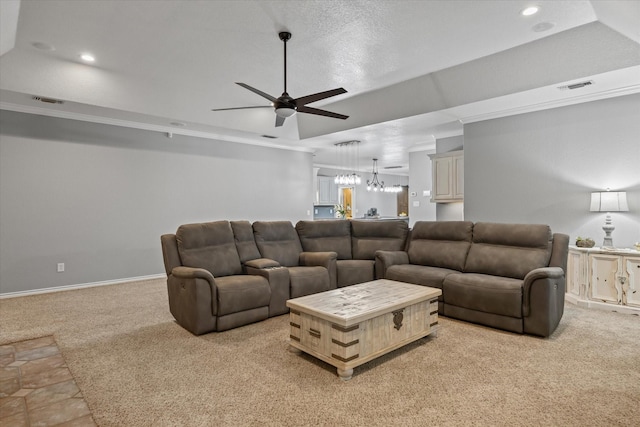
{"points": [[369, 236], [326, 236], [442, 244], [509, 250], [278, 240], [209, 245], [245, 243]]}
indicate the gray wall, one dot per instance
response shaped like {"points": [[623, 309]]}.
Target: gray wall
{"points": [[541, 167], [98, 197], [420, 181]]}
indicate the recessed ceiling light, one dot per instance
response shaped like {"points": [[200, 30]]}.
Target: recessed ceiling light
{"points": [[531, 10], [542, 26], [43, 46], [87, 57]]}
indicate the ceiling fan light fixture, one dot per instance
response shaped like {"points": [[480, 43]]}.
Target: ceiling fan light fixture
{"points": [[286, 106], [285, 112]]}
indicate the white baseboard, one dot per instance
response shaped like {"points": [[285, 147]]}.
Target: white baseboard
{"points": [[624, 309], [79, 286]]}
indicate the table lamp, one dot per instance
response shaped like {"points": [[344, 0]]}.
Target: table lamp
{"points": [[608, 201]]}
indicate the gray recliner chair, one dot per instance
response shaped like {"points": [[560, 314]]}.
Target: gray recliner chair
{"points": [[208, 290], [309, 272]]}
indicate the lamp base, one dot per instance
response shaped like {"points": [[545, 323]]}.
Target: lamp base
{"points": [[608, 229]]}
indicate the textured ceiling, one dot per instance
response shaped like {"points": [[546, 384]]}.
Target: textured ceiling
{"points": [[414, 70]]}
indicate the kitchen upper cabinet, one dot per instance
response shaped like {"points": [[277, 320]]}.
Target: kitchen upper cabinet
{"points": [[327, 191], [447, 177]]}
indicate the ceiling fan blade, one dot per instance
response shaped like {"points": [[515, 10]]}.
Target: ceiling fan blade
{"points": [[317, 111], [257, 91], [241, 108], [318, 96], [279, 121]]}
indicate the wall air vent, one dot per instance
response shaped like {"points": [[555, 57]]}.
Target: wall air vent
{"points": [[47, 100], [576, 85]]}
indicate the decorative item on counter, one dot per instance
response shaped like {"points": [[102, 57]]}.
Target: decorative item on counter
{"points": [[585, 243], [637, 246], [341, 211]]}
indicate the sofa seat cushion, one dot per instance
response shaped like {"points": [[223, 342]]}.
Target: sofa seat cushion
{"points": [[245, 242], [353, 271], [278, 240], [241, 293], [485, 293], [308, 280], [369, 236], [419, 275], [440, 243], [209, 245], [509, 250], [326, 236]]}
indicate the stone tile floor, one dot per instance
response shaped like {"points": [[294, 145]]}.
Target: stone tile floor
{"points": [[37, 388]]}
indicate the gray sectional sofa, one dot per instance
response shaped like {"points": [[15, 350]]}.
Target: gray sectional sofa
{"points": [[508, 276], [225, 274]]}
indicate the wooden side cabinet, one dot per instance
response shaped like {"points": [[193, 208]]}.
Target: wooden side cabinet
{"points": [[447, 177], [608, 279]]}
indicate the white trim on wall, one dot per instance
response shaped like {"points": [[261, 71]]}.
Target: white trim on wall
{"points": [[80, 286]]}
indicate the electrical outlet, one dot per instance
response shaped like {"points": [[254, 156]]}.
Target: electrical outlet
{"points": [[60, 267]]}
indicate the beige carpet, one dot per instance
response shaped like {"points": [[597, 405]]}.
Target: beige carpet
{"points": [[136, 367]]}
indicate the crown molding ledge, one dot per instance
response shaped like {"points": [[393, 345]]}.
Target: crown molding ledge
{"points": [[142, 126], [496, 114]]}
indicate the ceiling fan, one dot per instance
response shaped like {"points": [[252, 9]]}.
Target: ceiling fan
{"points": [[286, 106]]}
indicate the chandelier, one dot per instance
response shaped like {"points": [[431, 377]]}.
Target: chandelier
{"points": [[347, 178], [375, 184], [393, 189]]}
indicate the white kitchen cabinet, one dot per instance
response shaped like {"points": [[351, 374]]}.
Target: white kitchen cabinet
{"points": [[327, 191], [447, 177], [604, 278]]}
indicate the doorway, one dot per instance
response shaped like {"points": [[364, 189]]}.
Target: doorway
{"points": [[347, 200], [403, 201]]}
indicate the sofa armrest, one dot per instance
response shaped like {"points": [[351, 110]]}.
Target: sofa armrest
{"points": [[278, 278], [543, 300], [322, 259], [385, 259], [262, 263], [193, 299], [192, 273]]}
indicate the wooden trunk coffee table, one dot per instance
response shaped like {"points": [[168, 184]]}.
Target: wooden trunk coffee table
{"points": [[349, 326]]}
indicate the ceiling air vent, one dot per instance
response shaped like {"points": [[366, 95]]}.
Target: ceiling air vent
{"points": [[269, 136], [392, 167], [47, 100], [576, 85]]}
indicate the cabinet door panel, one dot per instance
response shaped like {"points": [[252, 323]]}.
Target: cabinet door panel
{"points": [[575, 272], [458, 191], [442, 178], [632, 281], [605, 285]]}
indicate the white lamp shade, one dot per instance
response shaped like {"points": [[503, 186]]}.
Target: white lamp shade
{"points": [[609, 201]]}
